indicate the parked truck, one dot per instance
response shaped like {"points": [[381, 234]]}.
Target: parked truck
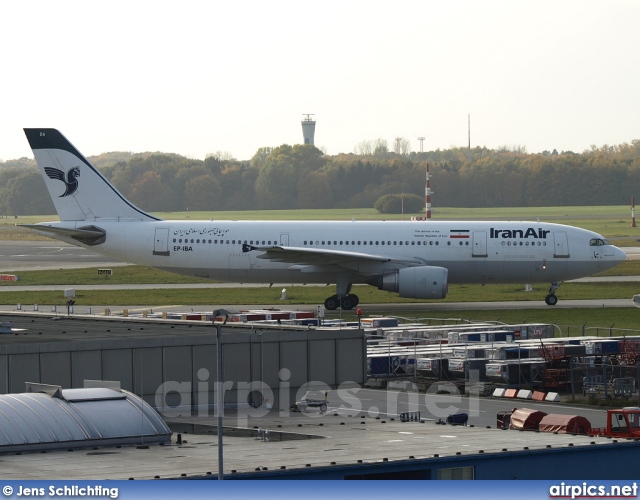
{"points": [[620, 423], [624, 422]]}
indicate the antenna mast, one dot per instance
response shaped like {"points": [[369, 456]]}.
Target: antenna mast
{"points": [[469, 132]]}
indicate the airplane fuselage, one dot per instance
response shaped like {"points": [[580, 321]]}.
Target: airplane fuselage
{"points": [[473, 252]]}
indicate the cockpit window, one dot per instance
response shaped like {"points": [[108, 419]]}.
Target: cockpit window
{"points": [[598, 242]]}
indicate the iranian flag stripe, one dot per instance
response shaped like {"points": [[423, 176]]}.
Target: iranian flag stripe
{"points": [[459, 233]]}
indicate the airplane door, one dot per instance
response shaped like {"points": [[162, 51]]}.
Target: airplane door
{"points": [[161, 242], [284, 240], [561, 243], [479, 244]]}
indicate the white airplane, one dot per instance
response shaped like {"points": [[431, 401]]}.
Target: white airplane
{"points": [[416, 259]]}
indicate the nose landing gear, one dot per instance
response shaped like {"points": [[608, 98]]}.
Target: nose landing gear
{"points": [[551, 299]]}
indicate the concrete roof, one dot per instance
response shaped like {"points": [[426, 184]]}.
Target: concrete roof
{"points": [[341, 441]]}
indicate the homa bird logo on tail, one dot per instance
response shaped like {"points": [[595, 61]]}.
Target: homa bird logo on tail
{"points": [[71, 182]]}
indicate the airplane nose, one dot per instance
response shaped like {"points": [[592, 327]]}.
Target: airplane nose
{"points": [[620, 255]]}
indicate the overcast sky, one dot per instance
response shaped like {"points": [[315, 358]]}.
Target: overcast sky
{"points": [[196, 77]]}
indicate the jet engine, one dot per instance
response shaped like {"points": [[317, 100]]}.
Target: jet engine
{"points": [[423, 282]]}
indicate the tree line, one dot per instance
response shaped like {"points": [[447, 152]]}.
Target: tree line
{"points": [[302, 177]]}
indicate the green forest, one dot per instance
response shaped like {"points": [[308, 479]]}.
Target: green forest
{"points": [[302, 177]]}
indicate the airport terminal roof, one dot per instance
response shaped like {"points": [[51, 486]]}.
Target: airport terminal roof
{"points": [[48, 417], [39, 327], [45, 327], [344, 445]]}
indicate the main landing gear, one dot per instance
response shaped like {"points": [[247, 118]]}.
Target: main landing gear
{"points": [[342, 297], [551, 299], [347, 302]]}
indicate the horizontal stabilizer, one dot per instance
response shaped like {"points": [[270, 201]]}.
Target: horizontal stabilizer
{"points": [[88, 235]]}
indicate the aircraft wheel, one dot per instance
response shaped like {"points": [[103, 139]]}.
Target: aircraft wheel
{"points": [[331, 303], [355, 299], [551, 300], [347, 303]]}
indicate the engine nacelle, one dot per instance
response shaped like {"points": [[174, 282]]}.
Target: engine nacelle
{"points": [[424, 282]]}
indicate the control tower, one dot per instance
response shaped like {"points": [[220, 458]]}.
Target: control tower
{"points": [[308, 128]]}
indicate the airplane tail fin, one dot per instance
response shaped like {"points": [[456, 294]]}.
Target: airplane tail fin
{"points": [[79, 192]]}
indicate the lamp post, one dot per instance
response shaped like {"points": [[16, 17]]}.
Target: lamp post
{"points": [[219, 393], [261, 368]]}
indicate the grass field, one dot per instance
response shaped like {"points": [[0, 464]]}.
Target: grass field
{"points": [[570, 320], [612, 222]]}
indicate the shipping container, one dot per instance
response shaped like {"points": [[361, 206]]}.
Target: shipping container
{"points": [[601, 347], [468, 352], [468, 369], [433, 367], [379, 322]]}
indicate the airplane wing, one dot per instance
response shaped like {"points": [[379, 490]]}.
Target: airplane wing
{"points": [[89, 235], [324, 256]]}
